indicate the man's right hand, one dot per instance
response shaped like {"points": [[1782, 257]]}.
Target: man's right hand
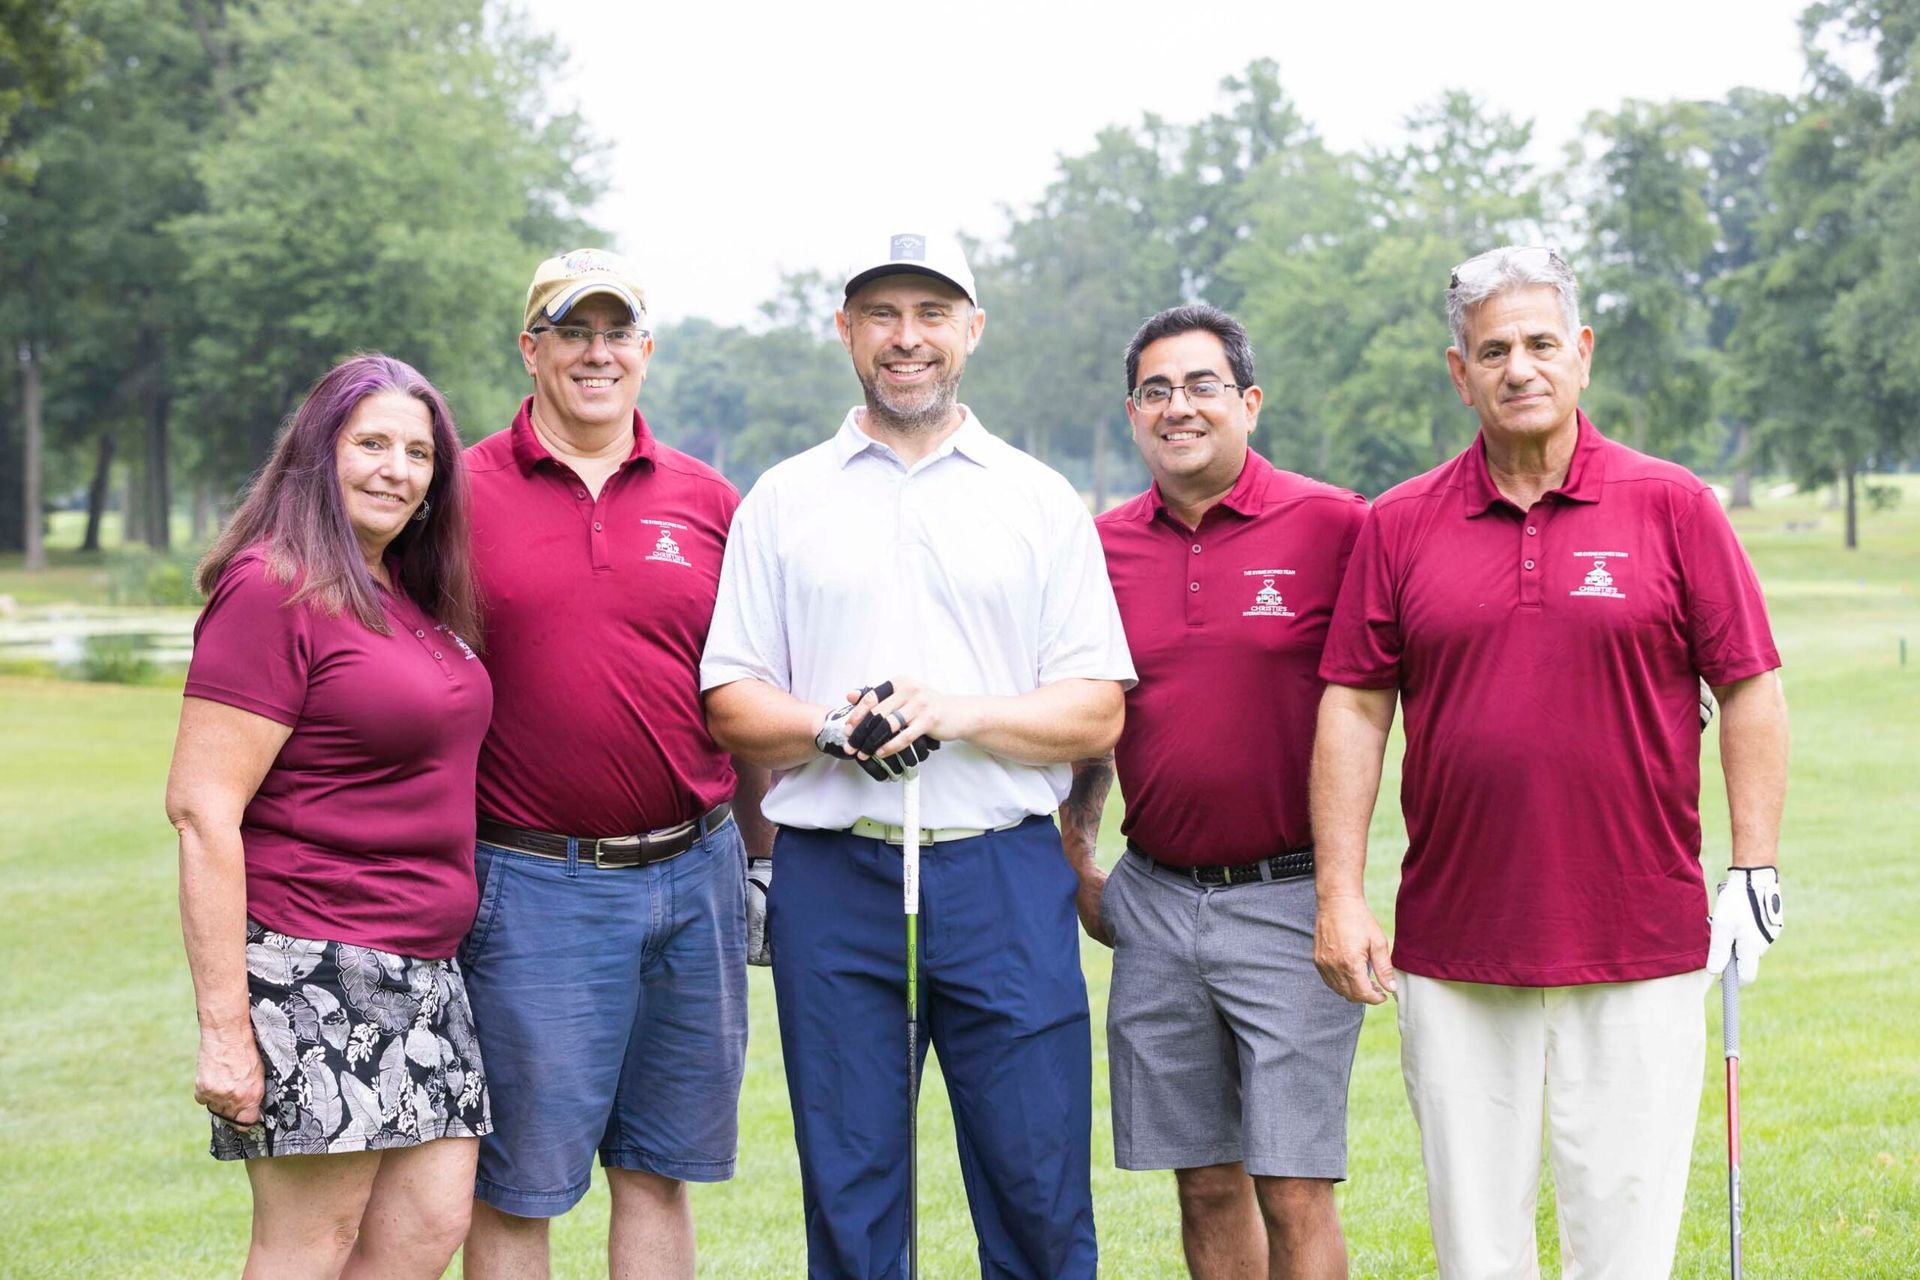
{"points": [[834, 737], [1351, 952], [1086, 900], [229, 1079]]}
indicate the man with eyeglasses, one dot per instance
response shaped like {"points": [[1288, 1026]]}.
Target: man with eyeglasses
{"points": [[1545, 605], [914, 580], [607, 962], [1228, 1058]]}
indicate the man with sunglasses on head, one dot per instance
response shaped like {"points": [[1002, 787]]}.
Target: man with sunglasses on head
{"points": [[607, 962], [1545, 605], [1228, 1057]]}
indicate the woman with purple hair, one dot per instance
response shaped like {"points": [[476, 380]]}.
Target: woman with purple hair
{"points": [[322, 786]]}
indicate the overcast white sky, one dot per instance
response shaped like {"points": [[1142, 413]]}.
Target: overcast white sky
{"points": [[748, 139]]}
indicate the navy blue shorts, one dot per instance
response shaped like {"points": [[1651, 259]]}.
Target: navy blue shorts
{"points": [[1003, 1004], [612, 1006]]}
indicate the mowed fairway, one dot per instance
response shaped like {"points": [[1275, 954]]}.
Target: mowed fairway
{"points": [[103, 1169]]}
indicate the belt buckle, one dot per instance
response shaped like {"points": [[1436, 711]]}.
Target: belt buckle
{"points": [[618, 844], [1210, 877]]}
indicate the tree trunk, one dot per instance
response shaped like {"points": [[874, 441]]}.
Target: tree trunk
{"points": [[1853, 511], [33, 520], [202, 514], [97, 491], [133, 511], [156, 403], [1742, 468]]}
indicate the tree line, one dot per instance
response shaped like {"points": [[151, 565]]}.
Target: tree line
{"points": [[205, 204]]}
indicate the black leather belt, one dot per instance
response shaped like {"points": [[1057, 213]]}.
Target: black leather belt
{"points": [[606, 852], [1281, 866]]}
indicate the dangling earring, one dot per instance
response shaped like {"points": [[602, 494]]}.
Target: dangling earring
{"points": [[420, 515]]}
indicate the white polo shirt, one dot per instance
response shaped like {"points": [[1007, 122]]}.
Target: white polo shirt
{"points": [[975, 571]]}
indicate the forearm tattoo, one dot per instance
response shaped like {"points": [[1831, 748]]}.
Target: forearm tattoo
{"points": [[1087, 799]]}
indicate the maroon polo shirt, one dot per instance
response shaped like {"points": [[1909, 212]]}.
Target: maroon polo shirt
{"points": [[1546, 661], [597, 611], [362, 830], [1226, 623]]}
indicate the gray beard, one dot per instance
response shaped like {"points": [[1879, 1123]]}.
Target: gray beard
{"points": [[935, 412]]}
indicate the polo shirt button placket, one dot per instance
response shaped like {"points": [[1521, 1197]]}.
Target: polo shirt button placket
{"points": [[1529, 562]]}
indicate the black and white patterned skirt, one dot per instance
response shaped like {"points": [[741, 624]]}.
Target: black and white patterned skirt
{"points": [[364, 1050]]}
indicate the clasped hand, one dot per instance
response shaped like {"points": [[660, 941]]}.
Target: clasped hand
{"points": [[884, 732]]}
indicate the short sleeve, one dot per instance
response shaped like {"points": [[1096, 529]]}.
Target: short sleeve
{"points": [[748, 637], [1728, 637], [1081, 636], [251, 649], [1363, 641]]}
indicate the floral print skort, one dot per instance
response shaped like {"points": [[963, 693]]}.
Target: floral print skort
{"points": [[364, 1051]]}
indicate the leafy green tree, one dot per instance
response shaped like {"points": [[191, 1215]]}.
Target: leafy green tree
{"points": [[1344, 277], [1649, 235], [1741, 132], [391, 178]]}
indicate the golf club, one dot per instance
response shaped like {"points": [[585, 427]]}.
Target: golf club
{"points": [[910, 886], [1730, 1035]]}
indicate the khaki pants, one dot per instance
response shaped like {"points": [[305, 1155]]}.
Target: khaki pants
{"points": [[1611, 1072]]}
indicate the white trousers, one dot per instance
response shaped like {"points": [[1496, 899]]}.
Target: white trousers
{"points": [[1612, 1070]]}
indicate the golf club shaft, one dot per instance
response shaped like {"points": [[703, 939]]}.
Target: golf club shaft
{"points": [[1730, 1036], [910, 890]]}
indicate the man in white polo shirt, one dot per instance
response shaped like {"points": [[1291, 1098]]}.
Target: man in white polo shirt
{"points": [[916, 568]]}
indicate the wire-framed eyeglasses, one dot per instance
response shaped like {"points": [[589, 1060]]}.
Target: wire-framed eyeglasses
{"points": [[1158, 395], [578, 337]]}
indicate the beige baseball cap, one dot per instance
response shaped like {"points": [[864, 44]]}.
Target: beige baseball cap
{"points": [[921, 254], [561, 281]]}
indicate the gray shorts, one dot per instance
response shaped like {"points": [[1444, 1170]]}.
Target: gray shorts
{"points": [[1223, 1044]]}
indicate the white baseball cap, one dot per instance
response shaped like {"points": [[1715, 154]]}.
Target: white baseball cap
{"points": [[917, 253]]}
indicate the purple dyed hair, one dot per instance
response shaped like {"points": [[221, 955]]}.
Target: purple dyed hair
{"points": [[295, 514]]}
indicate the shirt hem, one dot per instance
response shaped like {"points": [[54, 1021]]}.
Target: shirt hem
{"points": [[1573, 975]]}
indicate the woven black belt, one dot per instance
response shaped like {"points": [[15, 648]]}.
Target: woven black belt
{"points": [[1281, 866], [606, 852]]}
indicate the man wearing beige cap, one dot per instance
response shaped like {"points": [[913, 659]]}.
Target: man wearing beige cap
{"points": [[606, 964], [918, 554]]}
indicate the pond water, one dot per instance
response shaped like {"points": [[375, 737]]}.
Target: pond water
{"points": [[71, 635]]}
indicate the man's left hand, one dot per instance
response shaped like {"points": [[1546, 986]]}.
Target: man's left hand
{"points": [[759, 881], [1747, 917], [916, 714]]}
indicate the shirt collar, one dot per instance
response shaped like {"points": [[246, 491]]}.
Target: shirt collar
{"points": [[1244, 499], [529, 451], [1586, 473], [970, 440]]}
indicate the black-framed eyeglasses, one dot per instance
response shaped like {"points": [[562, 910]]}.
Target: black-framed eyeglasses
{"points": [[1158, 395], [578, 337], [1528, 256]]}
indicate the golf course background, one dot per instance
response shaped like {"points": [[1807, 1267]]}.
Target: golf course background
{"points": [[103, 1170]]}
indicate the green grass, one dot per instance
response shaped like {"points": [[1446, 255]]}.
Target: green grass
{"points": [[105, 1171]]}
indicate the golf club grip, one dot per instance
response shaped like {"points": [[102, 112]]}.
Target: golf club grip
{"points": [[1730, 1006], [910, 843]]}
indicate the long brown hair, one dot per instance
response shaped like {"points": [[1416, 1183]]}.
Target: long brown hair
{"points": [[294, 512]]}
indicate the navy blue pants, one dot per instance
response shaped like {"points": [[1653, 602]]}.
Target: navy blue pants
{"points": [[1001, 999]]}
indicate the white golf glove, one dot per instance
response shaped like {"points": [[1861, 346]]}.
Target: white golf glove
{"points": [[759, 880], [1747, 917]]}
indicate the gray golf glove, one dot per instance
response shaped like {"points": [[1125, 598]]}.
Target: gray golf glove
{"points": [[759, 881], [1707, 704], [1747, 917], [832, 740]]}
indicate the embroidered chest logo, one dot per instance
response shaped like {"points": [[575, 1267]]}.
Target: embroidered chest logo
{"points": [[1600, 579], [451, 635], [666, 547], [1268, 601]]}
